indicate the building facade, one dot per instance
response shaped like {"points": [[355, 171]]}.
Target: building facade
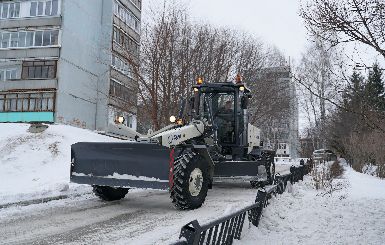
{"points": [[69, 61], [308, 146], [282, 134]]}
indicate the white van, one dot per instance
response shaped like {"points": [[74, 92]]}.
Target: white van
{"points": [[324, 154]]}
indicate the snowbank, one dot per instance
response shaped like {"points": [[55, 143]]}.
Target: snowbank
{"points": [[38, 165], [354, 214], [288, 161]]}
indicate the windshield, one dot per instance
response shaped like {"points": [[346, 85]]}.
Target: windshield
{"points": [[219, 109], [221, 103]]}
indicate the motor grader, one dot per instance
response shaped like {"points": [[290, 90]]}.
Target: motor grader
{"points": [[211, 139]]}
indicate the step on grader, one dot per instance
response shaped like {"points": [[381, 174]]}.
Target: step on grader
{"points": [[210, 140]]}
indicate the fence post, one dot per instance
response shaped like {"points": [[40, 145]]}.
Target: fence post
{"points": [[293, 176], [261, 198], [302, 172], [191, 232]]}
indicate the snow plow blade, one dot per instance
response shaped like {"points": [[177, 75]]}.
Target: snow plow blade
{"points": [[127, 165]]}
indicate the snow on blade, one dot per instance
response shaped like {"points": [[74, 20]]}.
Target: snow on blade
{"points": [[132, 177]]}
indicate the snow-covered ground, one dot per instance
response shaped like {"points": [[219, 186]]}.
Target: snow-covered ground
{"points": [[354, 214], [36, 165]]}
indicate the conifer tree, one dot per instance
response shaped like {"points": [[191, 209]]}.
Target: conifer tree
{"points": [[354, 94], [374, 90]]}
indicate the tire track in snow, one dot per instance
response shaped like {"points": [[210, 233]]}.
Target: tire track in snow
{"points": [[143, 217]]}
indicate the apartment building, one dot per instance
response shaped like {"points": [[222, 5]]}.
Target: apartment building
{"points": [[69, 61], [282, 134]]}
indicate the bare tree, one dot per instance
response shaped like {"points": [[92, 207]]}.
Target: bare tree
{"points": [[175, 52], [317, 72], [345, 21]]}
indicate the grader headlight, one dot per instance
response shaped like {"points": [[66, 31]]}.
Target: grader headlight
{"points": [[172, 119], [121, 119]]}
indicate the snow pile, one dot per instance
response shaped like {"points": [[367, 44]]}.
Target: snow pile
{"points": [[288, 161], [36, 165], [353, 214], [370, 169]]}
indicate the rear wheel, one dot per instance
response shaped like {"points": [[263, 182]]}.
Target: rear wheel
{"points": [[191, 181], [257, 184], [269, 165], [108, 193], [270, 168]]}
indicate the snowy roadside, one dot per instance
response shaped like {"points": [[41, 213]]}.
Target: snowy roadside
{"points": [[37, 166], [354, 214]]}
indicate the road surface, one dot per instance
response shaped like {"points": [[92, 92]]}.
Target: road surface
{"points": [[142, 217]]}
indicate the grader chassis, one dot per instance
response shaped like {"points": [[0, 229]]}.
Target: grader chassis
{"points": [[211, 139]]}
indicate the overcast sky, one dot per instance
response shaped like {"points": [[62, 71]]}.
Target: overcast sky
{"points": [[274, 21]]}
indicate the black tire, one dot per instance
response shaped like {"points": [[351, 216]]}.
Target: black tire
{"points": [[108, 193], [271, 172], [183, 193], [256, 184], [280, 187], [270, 167]]}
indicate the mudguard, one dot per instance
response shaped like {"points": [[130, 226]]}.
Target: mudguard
{"points": [[127, 165]]}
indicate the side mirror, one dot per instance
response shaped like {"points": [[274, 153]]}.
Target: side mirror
{"points": [[182, 108], [191, 108], [244, 102]]}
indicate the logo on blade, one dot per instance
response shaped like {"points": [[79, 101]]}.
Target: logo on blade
{"points": [[173, 138]]}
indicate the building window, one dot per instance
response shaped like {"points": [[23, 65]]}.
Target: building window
{"points": [[4, 39], [44, 8], [126, 16], [23, 39], [9, 10], [8, 74], [14, 39], [39, 70], [27, 102], [137, 3], [23, 9], [121, 66], [126, 42], [122, 92]]}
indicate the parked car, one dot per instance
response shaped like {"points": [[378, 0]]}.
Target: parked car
{"points": [[324, 154]]}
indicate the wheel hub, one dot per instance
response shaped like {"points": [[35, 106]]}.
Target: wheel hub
{"points": [[195, 182]]}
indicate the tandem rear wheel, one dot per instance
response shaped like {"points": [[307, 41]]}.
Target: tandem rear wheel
{"points": [[270, 176]]}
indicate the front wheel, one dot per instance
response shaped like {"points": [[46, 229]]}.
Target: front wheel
{"points": [[191, 181], [108, 193]]}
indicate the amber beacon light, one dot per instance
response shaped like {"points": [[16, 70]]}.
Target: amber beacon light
{"points": [[238, 78]]}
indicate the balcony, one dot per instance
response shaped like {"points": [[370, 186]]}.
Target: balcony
{"points": [[30, 22]]}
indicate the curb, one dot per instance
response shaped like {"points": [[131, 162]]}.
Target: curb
{"points": [[40, 200]]}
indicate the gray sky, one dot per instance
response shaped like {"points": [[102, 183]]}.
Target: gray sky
{"points": [[274, 21]]}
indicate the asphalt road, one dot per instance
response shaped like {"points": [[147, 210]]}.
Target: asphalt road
{"points": [[142, 217]]}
